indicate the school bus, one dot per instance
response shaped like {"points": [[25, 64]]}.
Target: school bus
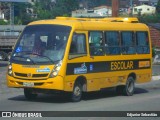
{"points": [[76, 55]]}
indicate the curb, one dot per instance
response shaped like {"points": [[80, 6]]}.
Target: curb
{"points": [[155, 77]]}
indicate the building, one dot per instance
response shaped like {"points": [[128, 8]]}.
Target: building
{"points": [[144, 9], [1, 15], [155, 34], [101, 11]]}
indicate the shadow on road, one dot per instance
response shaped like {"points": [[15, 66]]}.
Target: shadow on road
{"points": [[107, 93], [140, 91], [42, 98]]}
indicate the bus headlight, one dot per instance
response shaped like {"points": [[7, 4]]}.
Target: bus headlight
{"points": [[56, 69], [10, 73]]}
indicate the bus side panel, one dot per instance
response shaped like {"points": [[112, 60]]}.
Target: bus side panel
{"points": [[144, 76], [69, 82]]}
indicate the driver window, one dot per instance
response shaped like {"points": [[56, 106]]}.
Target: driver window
{"points": [[78, 44]]}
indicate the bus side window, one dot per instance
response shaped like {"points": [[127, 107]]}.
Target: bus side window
{"points": [[128, 42], [142, 42], [96, 43], [78, 44], [112, 43]]}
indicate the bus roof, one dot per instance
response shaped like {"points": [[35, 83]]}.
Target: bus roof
{"points": [[96, 23]]}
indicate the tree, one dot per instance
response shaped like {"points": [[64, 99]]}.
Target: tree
{"points": [[21, 15], [2, 22], [4, 8], [149, 18], [89, 4], [65, 7], [158, 7], [43, 9], [49, 9]]}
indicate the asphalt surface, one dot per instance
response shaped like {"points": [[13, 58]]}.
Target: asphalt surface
{"points": [[146, 98]]}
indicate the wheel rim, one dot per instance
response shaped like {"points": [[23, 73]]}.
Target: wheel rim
{"points": [[130, 87], [77, 91]]}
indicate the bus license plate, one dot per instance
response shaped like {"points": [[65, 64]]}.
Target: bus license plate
{"points": [[28, 84]]}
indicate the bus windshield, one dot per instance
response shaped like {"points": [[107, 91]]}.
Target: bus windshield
{"points": [[40, 44]]}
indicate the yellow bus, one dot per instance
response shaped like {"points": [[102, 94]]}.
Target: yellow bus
{"points": [[76, 55]]}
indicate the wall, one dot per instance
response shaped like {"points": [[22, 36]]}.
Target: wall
{"points": [[155, 37]]}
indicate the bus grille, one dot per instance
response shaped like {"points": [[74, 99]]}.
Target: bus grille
{"points": [[20, 74], [33, 75]]}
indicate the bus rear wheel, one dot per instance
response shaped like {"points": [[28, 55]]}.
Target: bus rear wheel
{"points": [[77, 92], [28, 93], [128, 89]]}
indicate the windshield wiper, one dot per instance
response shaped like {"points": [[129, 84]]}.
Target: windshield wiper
{"points": [[20, 56], [43, 57]]}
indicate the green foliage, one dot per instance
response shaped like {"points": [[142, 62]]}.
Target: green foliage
{"points": [[2, 22], [4, 6], [95, 3], [46, 9], [155, 18], [21, 14], [41, 9], [153, 52]]}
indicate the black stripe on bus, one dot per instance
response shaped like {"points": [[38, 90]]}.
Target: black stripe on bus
{"points": [[107, 66]]}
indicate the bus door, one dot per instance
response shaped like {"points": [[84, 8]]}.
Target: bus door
{"points": [[77, 59]]}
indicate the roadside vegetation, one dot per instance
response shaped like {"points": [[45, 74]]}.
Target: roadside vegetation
{"points": [[49, 9]]}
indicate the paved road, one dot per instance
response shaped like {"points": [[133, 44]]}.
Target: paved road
{"points": [[146, 97], [156, 70]]}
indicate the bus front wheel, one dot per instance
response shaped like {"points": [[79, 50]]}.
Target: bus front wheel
{"points": [[29, 94], [77, 92]]}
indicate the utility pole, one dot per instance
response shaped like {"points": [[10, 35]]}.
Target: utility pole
{"points": [[115, 8]]}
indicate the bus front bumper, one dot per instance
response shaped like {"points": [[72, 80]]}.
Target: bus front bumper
{"points": [[55, 83]]}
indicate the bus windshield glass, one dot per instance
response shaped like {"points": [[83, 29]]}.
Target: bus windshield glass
{"points": [[41, 44]]}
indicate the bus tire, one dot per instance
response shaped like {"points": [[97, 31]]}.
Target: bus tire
{"points": [[129, 87], [28, 93], [77, 92]]}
